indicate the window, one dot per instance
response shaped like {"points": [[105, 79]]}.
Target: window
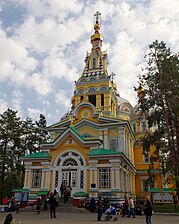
{"points": [[81, 98], [94, 62], [70, 162], [81, 178], [56, 179], [146, 157], [145, 185], [92, 99], [104, 178], [36, 178], [102, 100], [113, 143]]}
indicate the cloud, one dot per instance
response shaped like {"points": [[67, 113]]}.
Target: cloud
{"points": [[34, 112], [3, 106], [62, 100], [44, 54]]}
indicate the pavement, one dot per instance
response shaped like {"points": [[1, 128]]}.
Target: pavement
{"points": [[70, 217]]}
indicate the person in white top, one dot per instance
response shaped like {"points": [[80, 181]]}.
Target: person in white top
{"points": [[131, 208]]}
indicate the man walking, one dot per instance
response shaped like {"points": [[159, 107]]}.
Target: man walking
{"points": [[52, 202], [148, 210]]}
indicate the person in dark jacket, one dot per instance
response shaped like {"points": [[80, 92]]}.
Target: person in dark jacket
{"points": [[148, 210], [8, 219], [52, 203], [99, 207]]}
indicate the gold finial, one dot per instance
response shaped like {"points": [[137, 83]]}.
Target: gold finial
{"points": [[97, 17]]}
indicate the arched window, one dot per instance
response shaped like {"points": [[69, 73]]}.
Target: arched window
{"points": [[70, 162], [94, 62]]}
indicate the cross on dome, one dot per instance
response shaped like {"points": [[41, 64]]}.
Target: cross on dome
{"points": [[97, 16]]}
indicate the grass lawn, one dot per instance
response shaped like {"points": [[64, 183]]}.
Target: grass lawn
{"points": [[166, 208]]}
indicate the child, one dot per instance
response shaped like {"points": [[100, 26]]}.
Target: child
{"points": [[38, 206]]}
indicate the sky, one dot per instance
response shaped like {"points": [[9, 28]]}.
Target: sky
{"points": [[43, 44]]}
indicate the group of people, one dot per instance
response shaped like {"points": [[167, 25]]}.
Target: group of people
{"points": [[53, 200], [128, 209]]}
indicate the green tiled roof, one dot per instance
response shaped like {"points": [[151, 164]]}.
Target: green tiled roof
{"points": [[42, 193], [158, 190], [75, 130], [80, 194], [17, 190], [37, 155], [101, 151]]}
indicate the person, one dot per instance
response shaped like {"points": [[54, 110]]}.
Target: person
{"points": [[8, 219], [56, 196], [52, 203], [12, 204], [131, 208], [148, 210], [92, 205], [111, 213], [99, 207], [67, 193], [38, 206], [125, 207], [62, 188]]}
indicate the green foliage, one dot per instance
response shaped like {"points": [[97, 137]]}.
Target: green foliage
{"points": [[160, 105], [17, 138]]}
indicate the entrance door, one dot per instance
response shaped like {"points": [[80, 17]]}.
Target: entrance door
{"points": [[69, 177]]}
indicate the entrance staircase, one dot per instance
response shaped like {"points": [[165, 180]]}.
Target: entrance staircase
{"points": [[69, 207]]}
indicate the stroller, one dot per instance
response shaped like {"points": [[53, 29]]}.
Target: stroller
{"points": [[111, 214]]}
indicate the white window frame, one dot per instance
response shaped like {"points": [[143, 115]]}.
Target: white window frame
{"points": [[104, 175], [36, 178], [113, 143]]}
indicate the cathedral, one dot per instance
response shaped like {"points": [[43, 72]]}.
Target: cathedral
{"points": [[95, 148]]}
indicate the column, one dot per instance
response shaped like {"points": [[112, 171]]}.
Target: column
{"points": [[122, 139], [112, 178], [106, 138], [42, 179]]}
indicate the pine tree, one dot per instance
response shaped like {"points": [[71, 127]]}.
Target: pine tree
{"points": [[10, 144], [160, 105]]}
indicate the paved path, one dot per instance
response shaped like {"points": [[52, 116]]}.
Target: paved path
{"points": [[84, 218]]}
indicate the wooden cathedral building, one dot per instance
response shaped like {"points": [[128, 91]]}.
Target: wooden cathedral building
{"points": [[94, 148]]}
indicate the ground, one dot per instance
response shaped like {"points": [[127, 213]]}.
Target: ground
{"points": [[85, 218]]}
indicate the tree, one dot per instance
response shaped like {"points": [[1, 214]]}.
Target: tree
{"points": [[41, 125], [160, 105], [10, 129], [17, 138]]}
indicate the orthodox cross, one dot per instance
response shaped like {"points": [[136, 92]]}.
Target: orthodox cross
{"points": [[71, 118], [97, 16], [112, 76]]}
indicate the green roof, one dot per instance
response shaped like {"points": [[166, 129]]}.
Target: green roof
{"points": [[80, 194], [42, 193], [162, 190], [17, 190], [37, 155], [100, 151], [75, 130]]}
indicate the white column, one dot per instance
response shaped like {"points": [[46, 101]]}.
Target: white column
{"points": [[122, 140], [117, 179], [106, 138], [42, 179], [112, 178]]}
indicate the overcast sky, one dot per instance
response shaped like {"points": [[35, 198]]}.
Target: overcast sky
{"points": [[43, 44]]}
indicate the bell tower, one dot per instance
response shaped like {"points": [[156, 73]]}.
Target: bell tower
{"points": [[95, 85]]}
